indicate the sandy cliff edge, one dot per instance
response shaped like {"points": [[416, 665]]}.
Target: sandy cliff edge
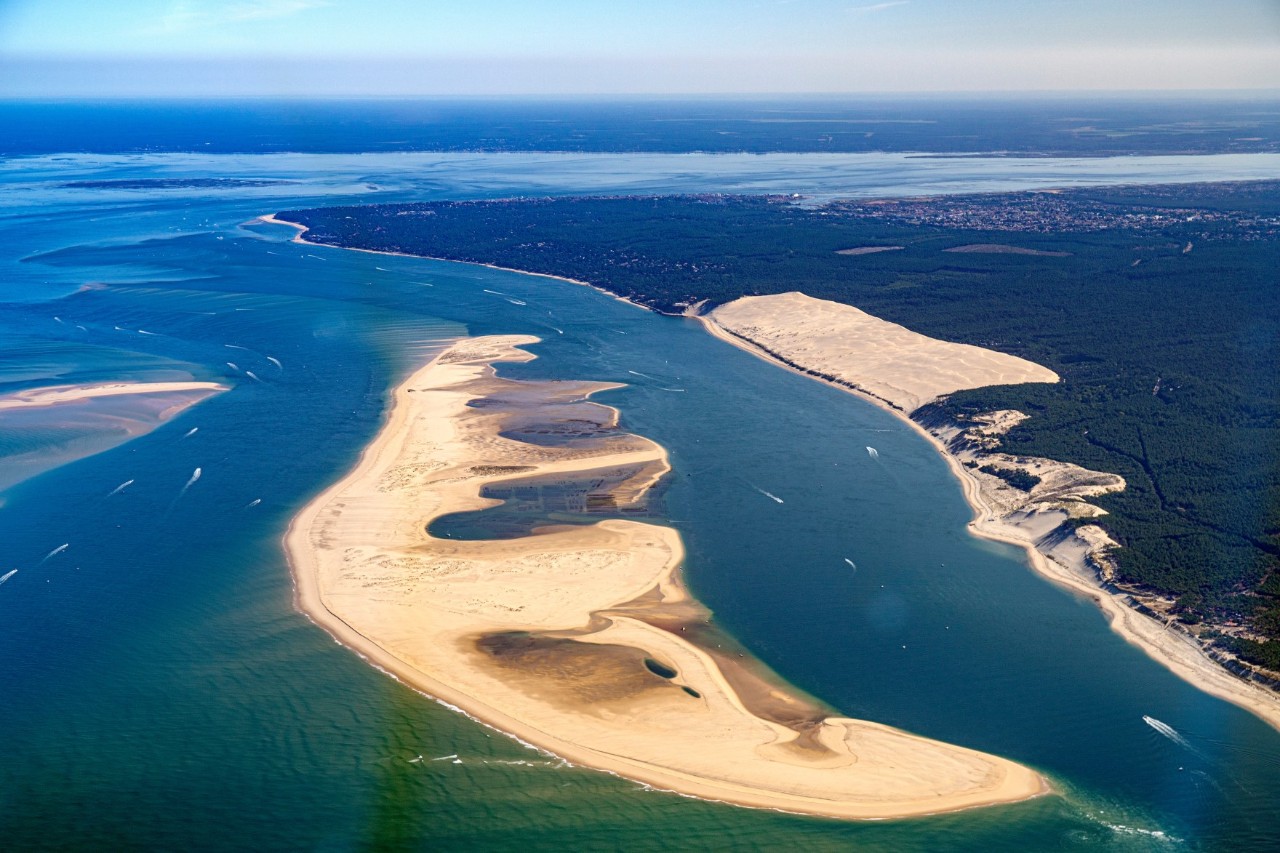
{"points": [[581, 639], [900, 370]]}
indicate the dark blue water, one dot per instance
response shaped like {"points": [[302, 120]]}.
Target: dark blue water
{"points": [[158, 689], [1029, 125]]}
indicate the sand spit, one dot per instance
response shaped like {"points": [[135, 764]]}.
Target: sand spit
{"points": [[53, 395], [881, 359], [582, 639], [300, 237], [900, 370]]}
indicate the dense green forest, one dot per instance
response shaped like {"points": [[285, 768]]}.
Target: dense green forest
{"points": [[1160, 310]]}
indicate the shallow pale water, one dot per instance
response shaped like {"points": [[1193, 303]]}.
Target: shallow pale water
{"points": [[159, 690]]}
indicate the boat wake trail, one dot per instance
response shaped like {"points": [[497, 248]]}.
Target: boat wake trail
{"points": [[872, 452], [851, 563], [8, 575], [275, 361], [251, 504], [188, 434], [1168, 731], [770, 495], [195, 475], [120, 488], [55, 552]]}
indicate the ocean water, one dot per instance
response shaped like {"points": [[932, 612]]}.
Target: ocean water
{"points": [[158, 689]]}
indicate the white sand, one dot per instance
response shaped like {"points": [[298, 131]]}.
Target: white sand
{"points": [[896, 365], [590, 599]]}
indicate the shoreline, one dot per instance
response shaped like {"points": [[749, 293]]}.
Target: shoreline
{"points": [[273, 219], [53, 395], [1175, 652], [466, 623]]}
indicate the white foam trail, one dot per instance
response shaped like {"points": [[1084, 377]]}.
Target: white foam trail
{"points": [[873, 453], [120, 488], [494, 292], [619, 331], [558, 331], [1167, 730], [81, 328], [145, 332], [769, 495], [252, 375], [317, 257], [671, 389], [516, 301], [233, 366], [645, 375], [251, 504], [275, 361], [415, 760], [380, 269], [851, 563], [237, 346], [446, 757], [8, 575], [195, 475], [190, 432], [118, 329], [55, 552], [59, 320]]}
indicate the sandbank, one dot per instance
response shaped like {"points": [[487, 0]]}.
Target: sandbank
{"points": [[53, 395], [899, 371], [581, 639]]}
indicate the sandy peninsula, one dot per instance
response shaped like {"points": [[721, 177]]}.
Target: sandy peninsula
{"points": [[580, 638], [901, 370]]}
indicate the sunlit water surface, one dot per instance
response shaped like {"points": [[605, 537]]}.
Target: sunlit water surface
{"points": [[160, 690]]}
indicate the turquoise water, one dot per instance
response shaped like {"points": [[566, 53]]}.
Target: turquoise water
{"points": [[159, 690]]}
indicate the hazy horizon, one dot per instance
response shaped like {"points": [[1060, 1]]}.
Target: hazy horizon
{"points": [[398, 48]]}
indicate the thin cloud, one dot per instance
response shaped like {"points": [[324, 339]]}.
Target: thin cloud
{"points": [[878, 7], [184, 16]]}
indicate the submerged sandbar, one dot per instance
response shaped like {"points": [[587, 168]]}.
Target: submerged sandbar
{"points": [[582, 640]]}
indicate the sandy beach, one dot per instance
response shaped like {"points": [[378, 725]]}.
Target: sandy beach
{"points": [[581, 639], [899, 371], [54, 395], [273, 219]]}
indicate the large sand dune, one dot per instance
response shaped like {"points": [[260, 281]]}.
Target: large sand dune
{"points": [[894, 364]]}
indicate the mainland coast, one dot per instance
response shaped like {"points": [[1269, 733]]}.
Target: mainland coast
{"points": [[900, 371], [581, 639]]}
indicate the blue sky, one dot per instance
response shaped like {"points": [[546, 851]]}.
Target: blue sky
{"points": [[448, 47]]}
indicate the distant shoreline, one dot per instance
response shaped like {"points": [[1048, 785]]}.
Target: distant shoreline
{"points": [[274, 219]]}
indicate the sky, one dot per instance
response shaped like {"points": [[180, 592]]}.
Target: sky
{"points": [[387, 48]]}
